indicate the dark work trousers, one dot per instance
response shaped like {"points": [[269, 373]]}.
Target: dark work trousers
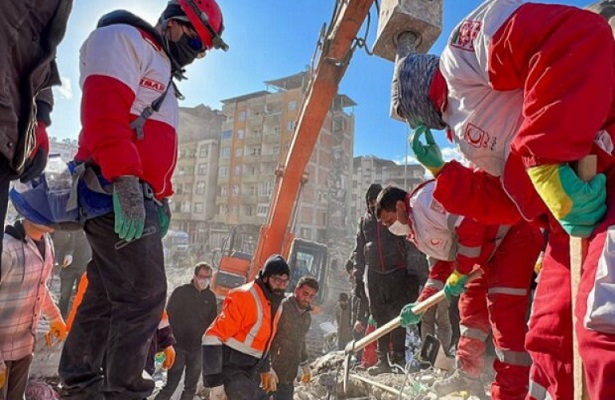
{"points": [[285, 392], [192, 362], [388, 293], [5, 182], [69, 278], [16, 379], [121, 309], [243, 384]]}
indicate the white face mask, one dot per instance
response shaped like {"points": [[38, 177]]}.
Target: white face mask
{"points": [[399, 229], [203, 283]]}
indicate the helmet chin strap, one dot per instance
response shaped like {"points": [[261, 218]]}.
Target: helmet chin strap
{"points": [[176, 70]]}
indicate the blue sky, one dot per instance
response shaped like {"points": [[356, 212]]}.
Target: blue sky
{"points": [[268, 39]]}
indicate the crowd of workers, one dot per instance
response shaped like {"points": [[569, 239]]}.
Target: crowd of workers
{"points": [[523, 89]]}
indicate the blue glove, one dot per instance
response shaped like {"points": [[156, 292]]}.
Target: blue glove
{"points": [[577, 205], [129, 207], [407, 317], [455, 285], [429, 155]]}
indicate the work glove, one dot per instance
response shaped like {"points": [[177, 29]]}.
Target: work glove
{"points": [[37, 161], [306, 374], [2, 374], [429, 155], [169, 357], [57, 330], [129, 207], [359, 327], [426, 293], [538, 265], [269, 381], [217, 393], [577, 205], [455, 285], [407, 317], [68, 260], [164, 217]]}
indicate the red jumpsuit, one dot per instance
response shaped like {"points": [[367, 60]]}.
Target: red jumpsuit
{"points": [[498, 300], [543, 84]]}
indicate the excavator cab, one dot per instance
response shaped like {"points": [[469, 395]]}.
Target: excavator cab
{"points": [[308, 258]]}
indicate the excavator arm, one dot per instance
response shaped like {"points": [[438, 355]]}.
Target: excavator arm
{"points": [[275, 236]]}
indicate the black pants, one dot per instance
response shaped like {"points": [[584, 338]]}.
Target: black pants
{"points": [[192, 362], [120, 311], [16, 379], [388, 293], [69, 278], [5, 182]]}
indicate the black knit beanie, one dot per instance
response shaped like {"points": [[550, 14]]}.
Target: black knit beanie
{"points": [[275, 265]]}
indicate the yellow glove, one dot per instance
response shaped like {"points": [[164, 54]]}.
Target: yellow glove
{"points": [[306, 375], [2, 374], [57, 330], [269, 381], [169, 357]]}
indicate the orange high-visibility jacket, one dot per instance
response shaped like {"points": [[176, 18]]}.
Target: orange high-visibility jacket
{"points": [[245, 323]]}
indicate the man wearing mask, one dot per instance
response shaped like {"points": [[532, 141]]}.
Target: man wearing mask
{"points": [[381, 260], [236, 346], [128, 138], [288, 350], [191, 309]]}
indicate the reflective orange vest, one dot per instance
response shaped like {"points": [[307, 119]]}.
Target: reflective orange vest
{"points": [[245, 323]]}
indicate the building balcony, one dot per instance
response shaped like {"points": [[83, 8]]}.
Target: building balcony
{"points": [[248, 199], [223, 179], [221, 200], [271, 138], [251, 220], [253, 139], [250, 178], [267, 158], [223, 162], [251, 159]]}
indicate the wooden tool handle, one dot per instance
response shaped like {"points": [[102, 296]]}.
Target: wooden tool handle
{"points": [[396, 322]]}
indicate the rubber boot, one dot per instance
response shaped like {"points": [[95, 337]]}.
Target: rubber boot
{"points": [[399, 359], [460, 381], [381, 367]]}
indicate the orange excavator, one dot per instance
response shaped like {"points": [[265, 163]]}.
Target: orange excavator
{"points": [[403, 26], [303, 256]]}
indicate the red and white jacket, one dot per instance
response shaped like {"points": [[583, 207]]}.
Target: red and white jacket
{"points": [[528, 84], [449, 237], [123, 70]]}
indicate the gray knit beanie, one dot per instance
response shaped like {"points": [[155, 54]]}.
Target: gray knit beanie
{"points": [[410, 90]]}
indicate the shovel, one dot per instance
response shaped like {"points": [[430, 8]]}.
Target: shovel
{"points": [[420, 308]]}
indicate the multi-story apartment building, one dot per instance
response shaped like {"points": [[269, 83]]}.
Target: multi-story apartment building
{"points": [[255, 140], [66, 149], [369, 169], [194, 181]]}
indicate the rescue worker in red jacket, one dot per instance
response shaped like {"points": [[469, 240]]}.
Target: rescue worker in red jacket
{"points": [[128, 137], [524, 90], [236, 345], [507, 256]]}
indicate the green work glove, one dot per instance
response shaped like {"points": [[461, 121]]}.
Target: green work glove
{"points": [[129, 207], [455, 285], [407, 317], [164, 217], [577, 205], [429, 155]]}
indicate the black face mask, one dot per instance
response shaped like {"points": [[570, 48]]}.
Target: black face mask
{"points": [[182, 51]]}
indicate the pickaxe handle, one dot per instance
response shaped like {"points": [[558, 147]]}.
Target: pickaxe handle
{"points": [[420, 308]]}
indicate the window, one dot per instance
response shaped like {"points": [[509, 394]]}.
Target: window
{"points": [[200, 188], [233, 210], [223, 191], [291, 126], [276, 130], [204, 152], [238, 152], [237, 170], [227, 135], [262, 210], [292, 105], [255, 151], [198, 208], [185, 207], [235, 190], [265, 188], [275, 150], [202, 169], [242, 115], [240, 134], [252, 190], [249, 211], [222, 209], [225, 153], [223, 171]]}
